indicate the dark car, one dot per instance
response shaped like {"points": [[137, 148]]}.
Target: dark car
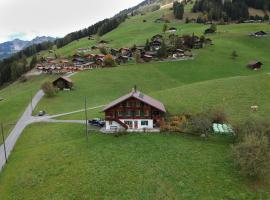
{"points": [[41, 113], [96, 122]]}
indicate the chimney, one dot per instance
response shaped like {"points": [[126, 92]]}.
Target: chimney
{"points": [[134, 89]]}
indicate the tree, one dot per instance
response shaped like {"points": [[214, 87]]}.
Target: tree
{"points": [[33, 62], [48, 89], [137, 56], [162, 52], [147, 45], [165, 28], [234, 55], [109, 61], [178, 10], [103, 50]]}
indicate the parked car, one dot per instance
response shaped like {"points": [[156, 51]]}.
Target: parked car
{"points": [[41, 113], [96, 122]]}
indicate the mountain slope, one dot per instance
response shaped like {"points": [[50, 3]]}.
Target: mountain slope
{"points": [[14, 46]]}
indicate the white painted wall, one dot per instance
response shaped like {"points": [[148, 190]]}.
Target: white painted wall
{"points": [[115, 125]]}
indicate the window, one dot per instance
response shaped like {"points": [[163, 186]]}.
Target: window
{"points": [[129, 104], [120, 113], [138, 113], [138, 104], [129, 123], [144, 123], [146, 113], [129, 113]]}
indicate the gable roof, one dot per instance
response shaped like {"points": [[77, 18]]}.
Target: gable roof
{"points": [[64, 78], [140, 96], [252, 63]]}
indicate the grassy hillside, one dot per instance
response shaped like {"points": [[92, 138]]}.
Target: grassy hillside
{"points": [[210, 63], [16, 97], [56, 162]]}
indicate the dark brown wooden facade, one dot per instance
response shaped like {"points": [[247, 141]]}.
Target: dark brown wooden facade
{"points": [[133, 108]]}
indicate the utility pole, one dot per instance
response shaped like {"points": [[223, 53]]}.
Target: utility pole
{"points": [[31, 103], [4, 141], [86, 118]]}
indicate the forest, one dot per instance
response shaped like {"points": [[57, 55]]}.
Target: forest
{"points": [[229, 9]]}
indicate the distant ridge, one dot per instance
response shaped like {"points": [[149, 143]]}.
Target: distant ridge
{"points": [[9, 48]]}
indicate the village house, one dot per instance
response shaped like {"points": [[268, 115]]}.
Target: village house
{"points": [[63, 83], [134, 112], [258, 34], [255, 65], [147, 57], [209, 31], [171, 30]]}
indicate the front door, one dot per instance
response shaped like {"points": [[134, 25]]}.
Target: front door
{"points": [[135, 124]]}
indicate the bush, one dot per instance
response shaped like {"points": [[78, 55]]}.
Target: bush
{"points": [[109, 61], [252, 156], [103, 50], [175, 124], [137, 56], [255, 126], [48, 89], [218, 116], [200, 125]]}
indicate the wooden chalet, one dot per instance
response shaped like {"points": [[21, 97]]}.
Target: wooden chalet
{"points": [[172, 30], [122, 59], [63, 83], [255, 65], [134, 112], [104, 42], [147, 57], [259, 34], [209, 31]]}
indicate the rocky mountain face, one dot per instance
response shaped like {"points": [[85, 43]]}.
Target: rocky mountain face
{"points": [[14, 46]]}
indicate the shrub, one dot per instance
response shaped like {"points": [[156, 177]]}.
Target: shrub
{"points": [[137, 56], [109, 61], [174, 124], [218, 116], [48, 89], [252, 156], [200, 124], [234, 55], [255, 126], [103, 50]]}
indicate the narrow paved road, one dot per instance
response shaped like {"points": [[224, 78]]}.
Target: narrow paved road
{"points": [[25, 120]]}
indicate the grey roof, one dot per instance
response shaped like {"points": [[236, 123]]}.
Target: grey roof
{"points": [[140, 96]]}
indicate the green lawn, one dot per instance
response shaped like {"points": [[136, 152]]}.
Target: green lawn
{"points": [[54, 161], [16, 98]]}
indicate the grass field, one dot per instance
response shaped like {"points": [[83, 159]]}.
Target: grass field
{"points": [[16, 98], [210, 64], [56, 162]]}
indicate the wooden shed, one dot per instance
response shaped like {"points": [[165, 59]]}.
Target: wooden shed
{"points": [[63, 83], [255, 65]]}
